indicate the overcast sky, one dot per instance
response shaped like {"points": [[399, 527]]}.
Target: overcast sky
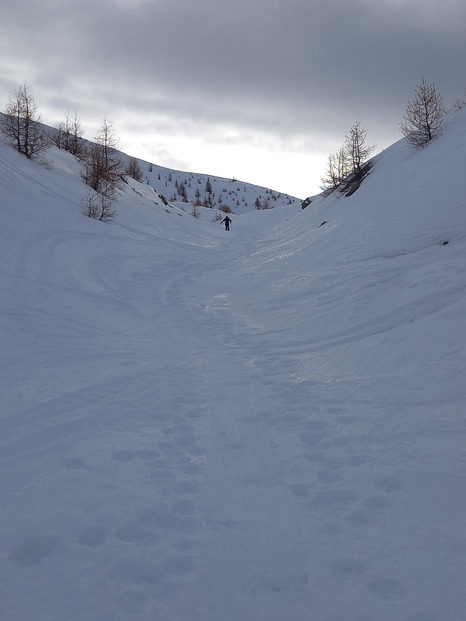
{"points": [[260, 90]]}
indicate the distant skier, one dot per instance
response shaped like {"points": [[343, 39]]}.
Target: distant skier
{"points": [[227, 221]]}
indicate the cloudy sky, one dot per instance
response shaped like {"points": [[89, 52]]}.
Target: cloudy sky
{"points": [[260, 90]]}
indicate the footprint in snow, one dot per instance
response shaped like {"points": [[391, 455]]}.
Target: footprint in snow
{"points": [[34, 550], [93, 536], [389, 483]]}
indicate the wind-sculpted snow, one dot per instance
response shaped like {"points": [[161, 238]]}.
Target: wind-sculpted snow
{"points": [[264, 424]]}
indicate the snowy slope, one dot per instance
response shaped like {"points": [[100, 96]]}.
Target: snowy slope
{"points": [[267, 424], [228, 194]]}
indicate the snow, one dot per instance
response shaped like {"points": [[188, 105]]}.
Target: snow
{"points": [[232, 194], [264, 424]]}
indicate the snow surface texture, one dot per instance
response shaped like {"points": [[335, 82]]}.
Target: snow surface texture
{"points": [[261, 425]]}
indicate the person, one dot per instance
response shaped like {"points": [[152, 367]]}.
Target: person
{"points": [[227, 221]]}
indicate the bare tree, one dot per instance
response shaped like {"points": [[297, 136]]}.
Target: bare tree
{"points": [[76, 137], [68, 135], [423, 120], [356, 148], [133, 169], [350, 164], [460, 103], [108, 142], [101, 170], [102, 161], [21, 123], [100, 205], [337, 170], [90, 204]]}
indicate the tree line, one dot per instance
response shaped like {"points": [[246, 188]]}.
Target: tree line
{"points": [[422, 123], [103, 171], [101, 166]]}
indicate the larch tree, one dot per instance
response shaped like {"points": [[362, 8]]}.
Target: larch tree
{"points": [[423, 121], [21, 123], [69, 135], [101, 170], [337, 169], [133, 169], [356, 148], [350, 164]]}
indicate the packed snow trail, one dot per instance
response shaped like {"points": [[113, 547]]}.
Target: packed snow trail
{"points": [[254, 563], [146, 480]]}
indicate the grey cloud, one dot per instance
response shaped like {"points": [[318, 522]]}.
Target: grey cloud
{"points": [[290, 68]]}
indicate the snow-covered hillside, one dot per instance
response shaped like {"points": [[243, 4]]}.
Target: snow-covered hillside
{"points": [[266, 424], [224, 194]]}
